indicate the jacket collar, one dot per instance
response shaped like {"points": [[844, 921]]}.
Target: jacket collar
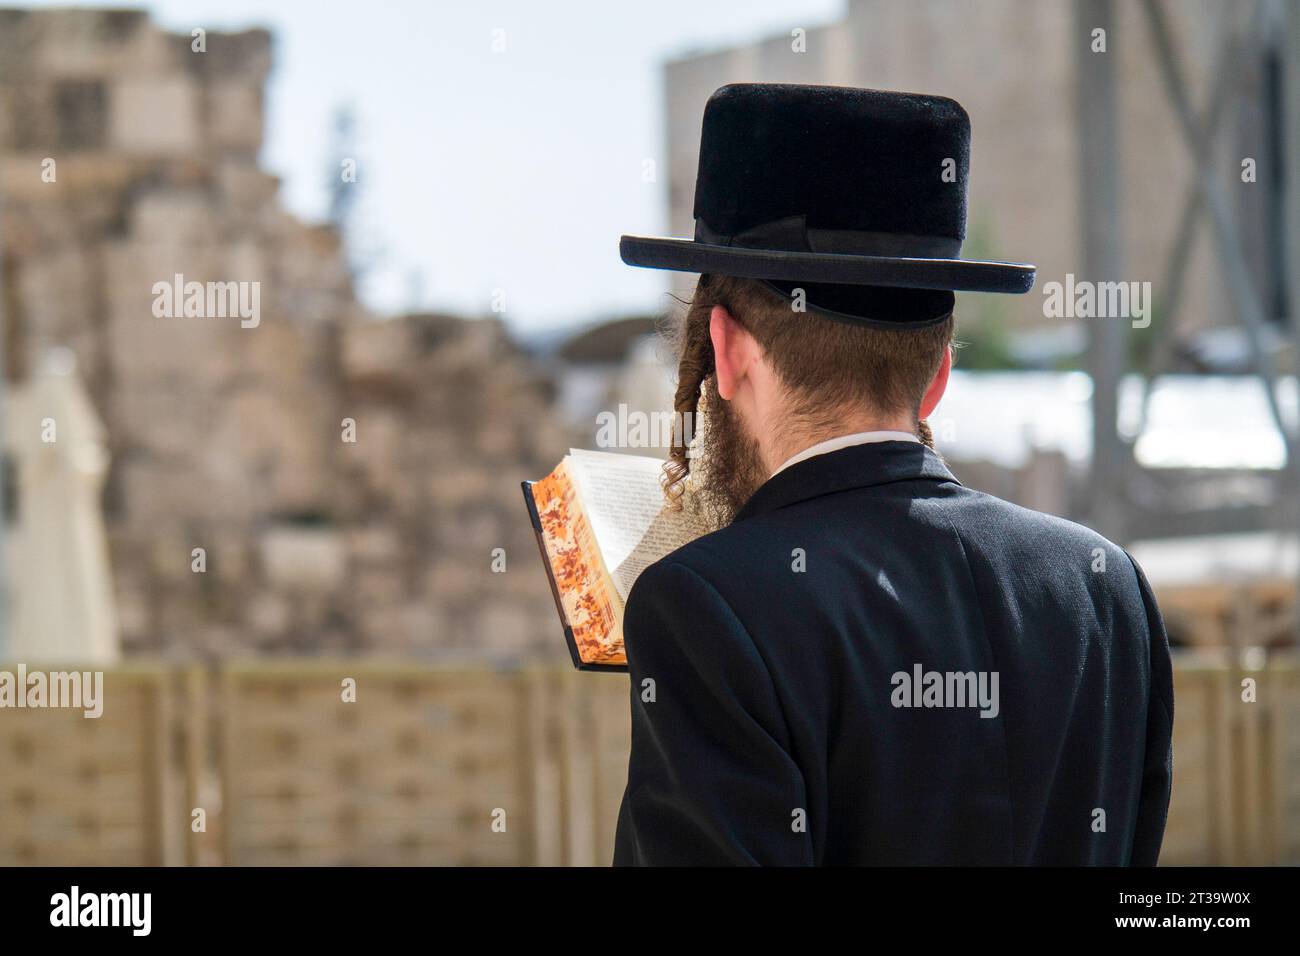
{"points": [[858, 466]]}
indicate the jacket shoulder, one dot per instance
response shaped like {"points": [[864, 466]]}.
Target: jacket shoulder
{"points": [[998, 530]]}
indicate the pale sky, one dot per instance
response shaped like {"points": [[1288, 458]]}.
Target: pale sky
{"points": [[479, 170]]}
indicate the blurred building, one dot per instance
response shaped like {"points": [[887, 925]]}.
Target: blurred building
{"points": [[1012, 65], [312, 481]]}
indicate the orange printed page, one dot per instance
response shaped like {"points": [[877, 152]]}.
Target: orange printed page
{"points": [[591, 605]]}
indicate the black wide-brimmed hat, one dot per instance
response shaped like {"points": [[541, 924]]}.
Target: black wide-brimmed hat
{"points": [[857, 197]]}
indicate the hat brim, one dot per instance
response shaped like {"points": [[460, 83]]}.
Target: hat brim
{"points": [[955, 275]]}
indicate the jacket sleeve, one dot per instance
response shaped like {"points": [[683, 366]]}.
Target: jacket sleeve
{"points": [[1153, 801], [710, 778]]}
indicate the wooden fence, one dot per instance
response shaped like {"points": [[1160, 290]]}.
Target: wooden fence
{"points": [[267, 763], [89, 792]]}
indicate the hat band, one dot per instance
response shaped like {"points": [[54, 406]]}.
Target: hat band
{"points": [[792, 234]]}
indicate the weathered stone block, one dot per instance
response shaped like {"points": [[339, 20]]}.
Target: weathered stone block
{"points": [[234, 117], [154, 115], [311, 559]]}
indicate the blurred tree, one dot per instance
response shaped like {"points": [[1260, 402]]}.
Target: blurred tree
{"points": [[984, 345], [342, 174], [983, 339], [364, 252]]}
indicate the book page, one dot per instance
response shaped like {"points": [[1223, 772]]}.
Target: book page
{"points": [[630, 520]]}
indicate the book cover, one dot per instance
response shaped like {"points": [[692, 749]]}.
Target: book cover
{"points": [[601, 519]]}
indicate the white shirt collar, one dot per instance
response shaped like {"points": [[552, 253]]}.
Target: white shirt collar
{"points": [[845, 441]]}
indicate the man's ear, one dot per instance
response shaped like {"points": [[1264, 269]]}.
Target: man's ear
{"points": [[734, 350], [937, 386]]}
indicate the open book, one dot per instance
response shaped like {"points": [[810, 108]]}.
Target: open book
{"points": [[601, 519]]}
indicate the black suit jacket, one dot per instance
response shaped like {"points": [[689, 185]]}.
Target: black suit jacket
{"points": [[767, 725]]}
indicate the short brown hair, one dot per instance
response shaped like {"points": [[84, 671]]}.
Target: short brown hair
{"points": [[828, 366]]}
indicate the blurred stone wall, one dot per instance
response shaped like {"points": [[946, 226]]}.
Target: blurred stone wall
{"points": [[231, 439]]}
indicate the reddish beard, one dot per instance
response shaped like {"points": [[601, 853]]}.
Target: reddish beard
{"points": [[732, 467]]}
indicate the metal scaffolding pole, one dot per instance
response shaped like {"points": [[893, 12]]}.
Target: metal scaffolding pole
{"points": [[1291, 234], [1245, 299], [1099, 176], [4, 517]]}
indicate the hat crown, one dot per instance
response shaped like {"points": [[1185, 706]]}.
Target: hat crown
{"points": [[840, 158]]}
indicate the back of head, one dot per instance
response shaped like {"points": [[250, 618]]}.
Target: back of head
{"points": [[830, 369]]}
